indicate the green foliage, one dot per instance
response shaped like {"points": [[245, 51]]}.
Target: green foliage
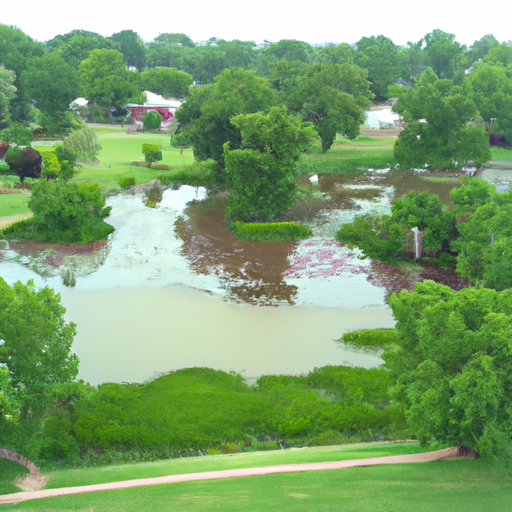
{"points": [[166, 81], [152, 121], [51, 165], [17, 134], [195, 175], [25, 162], [382, 237], [84, 143], [132, 47], [332, 97], [452, 363], [370, 338], [375, 235], [65, 212], [270, 232], [126, 181], [261, 175], [7, 92], [152, 152], [436, 134], [67, 158], [105, 80], [37, 345], [205, 118], [154, 195]]}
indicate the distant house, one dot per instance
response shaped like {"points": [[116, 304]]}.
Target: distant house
{"points": [[167, 108]]}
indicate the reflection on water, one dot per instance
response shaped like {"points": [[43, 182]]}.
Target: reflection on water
{"points": [[131, 334]]}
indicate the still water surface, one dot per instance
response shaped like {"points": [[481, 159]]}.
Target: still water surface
{"points": [[147, 310]]}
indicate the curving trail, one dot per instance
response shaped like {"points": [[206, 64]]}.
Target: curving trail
{"points": [[448, 453]]}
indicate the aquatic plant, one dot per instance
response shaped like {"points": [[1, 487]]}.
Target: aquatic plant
{"points": [[270, 232]]}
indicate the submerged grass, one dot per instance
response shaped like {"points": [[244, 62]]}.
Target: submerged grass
{"points": [[270, 232]]}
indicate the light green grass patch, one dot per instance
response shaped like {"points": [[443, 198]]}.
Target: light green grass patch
{"points": [[446, 486], [501, 153], [14, 204], [120, 149]]}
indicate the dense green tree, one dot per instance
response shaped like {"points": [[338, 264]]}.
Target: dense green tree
{"points": [[16, 52], [491, 90], [237, 54], [452, 363], [445, 56], [152, 120], [436, 114], [337, 54], [483, 246], [37, 342], [105, 80], [7, 92], [204, 62], [204, 119], [262, 173], [166, 50], [131, 46], [165, 81], [76, 46], [479, 49], [52, 84], [500, 54], [333, 97], [290, 50], [379, 56]]}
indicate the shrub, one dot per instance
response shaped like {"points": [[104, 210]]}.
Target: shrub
{"points": [[270, 232], [152, 153], [85, 143], [371, 338], [152, 120], [26, 162], [126, 181]]}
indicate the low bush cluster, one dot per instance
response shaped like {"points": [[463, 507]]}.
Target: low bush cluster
{"points": [[270, 232]]}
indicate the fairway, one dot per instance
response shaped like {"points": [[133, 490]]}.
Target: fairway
{"points": [[119, 149]]}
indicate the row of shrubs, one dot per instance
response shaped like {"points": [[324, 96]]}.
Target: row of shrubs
{"points": [[199, 410]]}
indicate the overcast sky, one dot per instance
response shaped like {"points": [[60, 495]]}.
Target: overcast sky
{"points": [[312, 21]]}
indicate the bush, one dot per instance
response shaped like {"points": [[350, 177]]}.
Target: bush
{"points": [[370, 338], [85, 144], [152, 120], [126, 181], [270, 232], [64, 212], [152, 153], [17, 134], [26, 162]]}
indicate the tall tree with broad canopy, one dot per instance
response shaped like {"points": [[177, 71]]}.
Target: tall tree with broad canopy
{"points": [[332, 97], [491, 89], [452, 365], [379, 56], [52, 84], [131, 46], [36, 348], [166, 82], [437, 132], [105, 80], [204, 119], [262, 173], [76, 46]]}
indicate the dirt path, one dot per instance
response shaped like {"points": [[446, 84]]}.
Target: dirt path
{"points": [[11, 219], [448, 453]]}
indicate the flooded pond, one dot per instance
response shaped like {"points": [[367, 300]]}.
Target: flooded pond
{"points": [[174, 289]]}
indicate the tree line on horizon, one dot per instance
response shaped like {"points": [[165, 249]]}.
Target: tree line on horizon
{"points": [[38, 80]]}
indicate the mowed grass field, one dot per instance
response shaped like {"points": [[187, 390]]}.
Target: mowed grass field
{"points": [[119, 149], [451, 486]]}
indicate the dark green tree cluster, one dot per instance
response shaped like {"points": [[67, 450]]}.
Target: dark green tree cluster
{"points": [[452, 366], [261, 174]]}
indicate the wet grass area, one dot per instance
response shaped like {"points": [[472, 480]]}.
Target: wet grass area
{"points": [[256, 273]]}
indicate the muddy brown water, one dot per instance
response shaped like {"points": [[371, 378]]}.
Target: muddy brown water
{"points": [[177, 290]]}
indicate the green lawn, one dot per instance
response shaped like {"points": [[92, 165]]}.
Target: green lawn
{"points": [[501, 153], [120, 149], [446, 486], [13, 204]]}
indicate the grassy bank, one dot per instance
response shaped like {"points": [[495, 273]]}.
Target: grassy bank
{"points": [[450, 486]]}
